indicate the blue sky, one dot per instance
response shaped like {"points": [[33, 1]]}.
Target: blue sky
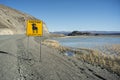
{"points": [[69, 15]]}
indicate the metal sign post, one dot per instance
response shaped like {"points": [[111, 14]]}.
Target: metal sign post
{"points": [[40, 52], [27, 48], [34, 28]]}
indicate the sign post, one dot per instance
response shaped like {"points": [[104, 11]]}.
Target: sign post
{"points": [[40, 52], [27, 55], [34, 28]]}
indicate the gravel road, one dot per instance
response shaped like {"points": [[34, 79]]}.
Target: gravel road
{"points": [[18, 62]]}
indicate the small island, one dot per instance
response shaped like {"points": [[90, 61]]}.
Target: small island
{"points": [[93, 33]]}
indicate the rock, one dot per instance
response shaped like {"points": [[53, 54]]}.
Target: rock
{"points": [[14, 22]]}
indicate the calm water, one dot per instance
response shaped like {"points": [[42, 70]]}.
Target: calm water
{"points": [[89, 41]]}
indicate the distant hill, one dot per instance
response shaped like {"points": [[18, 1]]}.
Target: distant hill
{"points": [[75, 33], [106, 32], [61, 32], [13, 21]]}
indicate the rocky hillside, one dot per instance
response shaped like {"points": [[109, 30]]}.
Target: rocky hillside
{"points": [[13, 21]]}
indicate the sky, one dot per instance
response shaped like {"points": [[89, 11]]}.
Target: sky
{"points": [[70, 15]]}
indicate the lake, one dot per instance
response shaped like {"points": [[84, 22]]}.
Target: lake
{"points": [[88, 41]]}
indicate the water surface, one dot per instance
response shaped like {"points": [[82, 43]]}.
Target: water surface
{"points": [[88, 41]]}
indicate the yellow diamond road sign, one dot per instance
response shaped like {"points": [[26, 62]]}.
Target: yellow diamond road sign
{"points": [[34, 28]]}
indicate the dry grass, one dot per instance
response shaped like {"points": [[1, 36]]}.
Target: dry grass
{"points": [[113, 49], [110, 62]]}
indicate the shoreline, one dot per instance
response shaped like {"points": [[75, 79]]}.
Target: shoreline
{"points": [[91, 56]]}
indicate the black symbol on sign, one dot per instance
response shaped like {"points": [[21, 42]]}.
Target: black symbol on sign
{"points": [[34, 28]]}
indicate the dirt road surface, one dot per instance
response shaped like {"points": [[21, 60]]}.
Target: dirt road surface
{"points": [[17, 62]]}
